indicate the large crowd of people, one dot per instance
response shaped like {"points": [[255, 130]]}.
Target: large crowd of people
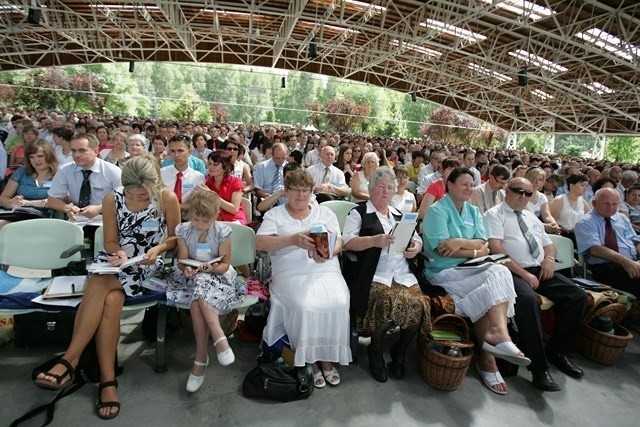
{"points": [[160, 184]]}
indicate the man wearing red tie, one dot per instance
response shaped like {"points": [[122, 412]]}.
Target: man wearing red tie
{"points": [[180, 176], [611, 243]]}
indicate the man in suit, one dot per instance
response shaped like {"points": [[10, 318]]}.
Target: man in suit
{"points": [[490, 194], [329, 181], [517, 232]]}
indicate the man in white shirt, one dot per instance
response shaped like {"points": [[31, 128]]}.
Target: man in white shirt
{"points": [[514, 230], [179, 176], [429, 173], [468, 161], [329, 181], [85, 181]]}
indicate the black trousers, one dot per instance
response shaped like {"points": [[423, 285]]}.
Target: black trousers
{"points": [[569, 304], [614, 275]]}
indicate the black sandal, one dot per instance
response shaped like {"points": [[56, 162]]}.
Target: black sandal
{"points": [[100, 404], [58, 384]]}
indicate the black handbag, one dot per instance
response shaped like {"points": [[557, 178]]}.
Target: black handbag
{"points": [[276, 381], [43, 329]]}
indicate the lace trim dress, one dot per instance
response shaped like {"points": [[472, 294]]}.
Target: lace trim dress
{"points": [[220, 291], [137, 233]]}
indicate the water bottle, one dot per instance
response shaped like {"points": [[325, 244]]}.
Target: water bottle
{"points": [[454, 352]]}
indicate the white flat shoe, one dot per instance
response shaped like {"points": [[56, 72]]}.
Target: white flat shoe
{"points": [[194, 382], [226, 357]]}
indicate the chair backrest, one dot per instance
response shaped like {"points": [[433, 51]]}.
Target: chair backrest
{"points": [[243, 244], [247, 207], [412, 187], [38, 243], [98, 241], [564, 252], [341, 208]]}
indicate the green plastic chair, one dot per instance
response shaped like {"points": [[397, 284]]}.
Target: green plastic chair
{"points": [[243, 244], [412, 187], [341, 208], [39, 243]]}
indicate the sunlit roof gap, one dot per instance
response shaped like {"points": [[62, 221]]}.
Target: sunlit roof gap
{"points": [[522, 8], [415, 47], [487, 72], [537, 61], [440, 26], [610, 43]]}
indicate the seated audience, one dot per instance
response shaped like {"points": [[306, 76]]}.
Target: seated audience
{"points": [[610, 242], [632, 202], [129, 211], [159, 147], [309, 297], [453, 233], [514, 230], [360, 180], [228, 187], [329, 181], [384, 292], [118, 154], [240, 168], [179, 175], [136, 145], [343, 162], [437, 190], [62, 139], [491, 193], [538, 202], [200, 149]]}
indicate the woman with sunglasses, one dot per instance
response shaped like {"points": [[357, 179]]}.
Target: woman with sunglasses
{"points": [[453, 233], [228, 187], [240, 168]]}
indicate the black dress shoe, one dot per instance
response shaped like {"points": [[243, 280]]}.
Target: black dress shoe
{"points": [[396, 366], [378, 371], [542, 380], [566, 365]]}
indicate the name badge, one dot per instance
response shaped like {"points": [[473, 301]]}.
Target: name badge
{"points": [[187, 186], [408, 202], [151, 225], [203, 251], [46, 184], [468, 222], [97, 188]]}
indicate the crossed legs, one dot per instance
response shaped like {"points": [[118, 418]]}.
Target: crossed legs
{"points": [[205, 321]]}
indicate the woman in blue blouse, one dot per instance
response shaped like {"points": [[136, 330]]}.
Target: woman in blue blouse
{"points": [[29, 185], [453, 233]]}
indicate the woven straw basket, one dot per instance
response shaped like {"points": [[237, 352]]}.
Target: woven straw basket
{"points": [[439, 370], [599, 346]]}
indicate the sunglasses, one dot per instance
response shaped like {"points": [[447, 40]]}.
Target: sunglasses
{"points": [[521, 191], [232, 149]]}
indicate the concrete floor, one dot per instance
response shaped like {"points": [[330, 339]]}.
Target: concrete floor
{"points": [[607, 396]]}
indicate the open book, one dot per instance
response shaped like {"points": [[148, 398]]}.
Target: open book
{"points": [[485, 261], [195, 264], [403, 232], [160, 279], [65, 287], [108, 268], [324, 241]]}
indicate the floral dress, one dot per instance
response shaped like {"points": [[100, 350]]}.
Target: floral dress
{"points": [[220, 291], [137, 233]]}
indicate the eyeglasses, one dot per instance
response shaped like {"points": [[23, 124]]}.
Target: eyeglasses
{"points": [[211, 162], [521, 191], [232, 149]]}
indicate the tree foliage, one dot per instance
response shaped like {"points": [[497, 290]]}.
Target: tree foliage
{"points": [[345, 115], [623, 149]]}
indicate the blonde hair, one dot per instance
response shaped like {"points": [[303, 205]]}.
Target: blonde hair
{"points": [[144, 172], [205, 204], [533, 173]]}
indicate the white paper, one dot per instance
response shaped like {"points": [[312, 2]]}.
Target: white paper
{"points": [[82, 220], [403, 232], [195, 263], [108, 268], [65, 286], [58, 302]]}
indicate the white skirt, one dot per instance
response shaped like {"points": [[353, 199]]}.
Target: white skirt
{"points": [[476, 290], [313, 311]]}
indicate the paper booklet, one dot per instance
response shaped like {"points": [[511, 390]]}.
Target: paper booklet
{"points": [[65, 287], [403, 232], [196, 264], [324, 240], [24, 212], [82, 220], [485, 261], [160, 279], [108, 268]]}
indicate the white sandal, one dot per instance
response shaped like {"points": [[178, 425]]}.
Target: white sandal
{"points": [[226, 357], [194, 382], [318, 379]]}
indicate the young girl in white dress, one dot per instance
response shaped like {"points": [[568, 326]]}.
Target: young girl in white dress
{"points": [[210, 289]]}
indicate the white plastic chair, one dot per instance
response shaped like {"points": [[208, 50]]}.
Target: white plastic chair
{"points": [[247, 207], [564, 252], [341, 208]]}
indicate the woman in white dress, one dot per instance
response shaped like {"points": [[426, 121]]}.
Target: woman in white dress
{"points": [[539, 203], [360, 181], [309, 297], [454, 232], [403, 199], [568, 208]]}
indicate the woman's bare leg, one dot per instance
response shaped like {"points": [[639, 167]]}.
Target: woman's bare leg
{"points": [[486, 362]]}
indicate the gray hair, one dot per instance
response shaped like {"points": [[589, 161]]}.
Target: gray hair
{"points": [[383, 172], [629, 174], [136, 137]]}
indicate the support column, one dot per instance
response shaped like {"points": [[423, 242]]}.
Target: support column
{"points": [[549, 143], [599, 146], [512, 140]]}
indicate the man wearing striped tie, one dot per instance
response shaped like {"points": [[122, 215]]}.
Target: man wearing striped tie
{"points": [[329, 181], [517, 232]]}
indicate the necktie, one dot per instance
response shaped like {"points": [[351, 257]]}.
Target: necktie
{"points": [[85, 190], [178, 187], [277, 179], [325, 177], [534, 248], [610, 237], [495, 198]]}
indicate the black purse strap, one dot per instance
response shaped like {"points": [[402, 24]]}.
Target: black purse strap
{"points": [[49, 407]]}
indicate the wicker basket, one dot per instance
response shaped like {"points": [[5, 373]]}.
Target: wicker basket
{"points": [[439, 370], [599, 346]]}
